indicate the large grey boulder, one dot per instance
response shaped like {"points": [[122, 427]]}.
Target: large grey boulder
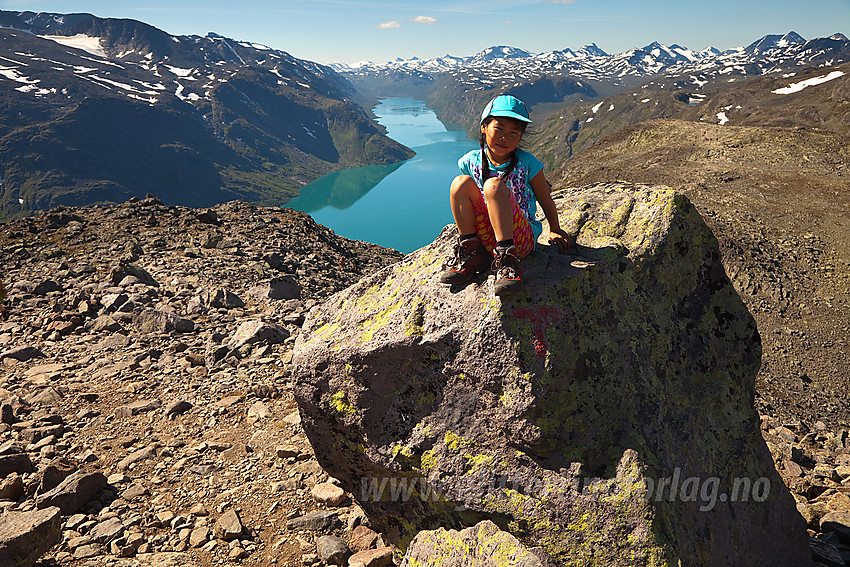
{"points": [[26, 536], [606, 414]]}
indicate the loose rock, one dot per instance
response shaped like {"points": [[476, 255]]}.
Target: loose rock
{"points": [[229, 526], [328, 494], [26, 536], [318, 520], [73, 492], [332, 550]]}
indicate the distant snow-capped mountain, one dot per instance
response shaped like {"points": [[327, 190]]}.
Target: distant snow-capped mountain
{"points": [[592, 50], [772, 53], [502, 52], [770, 42]]}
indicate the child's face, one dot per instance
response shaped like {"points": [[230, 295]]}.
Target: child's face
{"points": [[502, 136]]}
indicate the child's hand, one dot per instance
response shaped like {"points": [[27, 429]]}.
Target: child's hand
{"points": [[560, 238]]}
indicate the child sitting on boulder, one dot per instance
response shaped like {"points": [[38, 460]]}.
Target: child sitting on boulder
{"points": [[495, 199]]}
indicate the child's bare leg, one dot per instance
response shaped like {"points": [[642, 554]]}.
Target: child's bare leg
{"points": [[469, 256], [462, 194], [498, 197]]}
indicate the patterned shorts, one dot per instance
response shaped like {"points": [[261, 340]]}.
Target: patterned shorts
{"points": [[523, 236]]}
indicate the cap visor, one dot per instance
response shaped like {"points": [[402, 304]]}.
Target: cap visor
{"points": [[510, 114]]}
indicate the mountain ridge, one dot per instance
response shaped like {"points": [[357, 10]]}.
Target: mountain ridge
{"points": [[674, 51], [457, 87], [259, 122]]}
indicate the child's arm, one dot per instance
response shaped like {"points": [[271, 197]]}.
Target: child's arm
{"points": [[543, 193]]}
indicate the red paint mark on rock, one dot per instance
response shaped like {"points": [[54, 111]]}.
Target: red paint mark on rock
{"points": [[540, 317]]}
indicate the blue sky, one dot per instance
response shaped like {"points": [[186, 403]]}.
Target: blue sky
{"points": [[378, 30]]}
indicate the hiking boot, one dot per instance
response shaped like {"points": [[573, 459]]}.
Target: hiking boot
{"points": [[508, 271], [469, 258]]}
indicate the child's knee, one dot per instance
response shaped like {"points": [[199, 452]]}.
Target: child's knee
{"points": [[461, 180], [462, 183], [493, 187]]}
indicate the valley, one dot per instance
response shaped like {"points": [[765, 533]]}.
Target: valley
{"points": [[100, 110]]}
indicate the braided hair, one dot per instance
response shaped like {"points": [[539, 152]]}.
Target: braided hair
{"points": [[485, 161]]}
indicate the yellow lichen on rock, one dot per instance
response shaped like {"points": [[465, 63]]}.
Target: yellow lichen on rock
{"points": [[454, 441], [484, 545], [378, 321], [340, 402]]}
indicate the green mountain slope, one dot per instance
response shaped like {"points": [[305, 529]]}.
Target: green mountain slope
{"points": [[196, 121]]}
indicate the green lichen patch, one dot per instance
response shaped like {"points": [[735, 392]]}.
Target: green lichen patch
{"points": [[454, 441], [378, 321], [340, 402], [479, 461], [325, 331], [428, 460], [415, 318]]}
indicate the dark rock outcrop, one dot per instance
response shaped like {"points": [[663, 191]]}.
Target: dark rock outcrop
{"points": [[606, 414]]}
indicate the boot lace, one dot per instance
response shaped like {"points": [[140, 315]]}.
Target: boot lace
{"points": [[459, 256], [505, 265]]}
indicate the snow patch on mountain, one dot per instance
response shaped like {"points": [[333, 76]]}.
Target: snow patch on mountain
{"points": [[12, 73], [79, 41], [179, 71], [797, 87]]}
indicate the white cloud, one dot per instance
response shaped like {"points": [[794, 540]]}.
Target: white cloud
{"points": [[389, 25], [424, 20], [561, 1]]}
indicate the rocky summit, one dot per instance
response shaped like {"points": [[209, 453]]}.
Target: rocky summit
{"points": [[148, 415], [606, 414]]}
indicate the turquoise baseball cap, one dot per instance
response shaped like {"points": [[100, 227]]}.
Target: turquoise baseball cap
{"points": [[508, 106]]}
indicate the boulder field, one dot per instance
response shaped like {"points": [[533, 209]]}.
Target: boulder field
{"points": [[604, 415]]}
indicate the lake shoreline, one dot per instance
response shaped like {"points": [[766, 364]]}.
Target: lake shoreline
{"points": [[402, 205]]}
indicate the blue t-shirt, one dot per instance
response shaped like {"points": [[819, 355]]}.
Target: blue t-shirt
{"points": [[519, 180]]}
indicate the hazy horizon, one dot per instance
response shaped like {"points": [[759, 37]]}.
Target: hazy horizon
{"points": [[351, 31]]}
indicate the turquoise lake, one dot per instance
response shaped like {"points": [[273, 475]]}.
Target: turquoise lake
{"points": [[403, 205]]}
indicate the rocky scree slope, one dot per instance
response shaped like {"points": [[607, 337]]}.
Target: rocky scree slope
{"points": [[811, 97], [144, 376], [98, 110]]}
